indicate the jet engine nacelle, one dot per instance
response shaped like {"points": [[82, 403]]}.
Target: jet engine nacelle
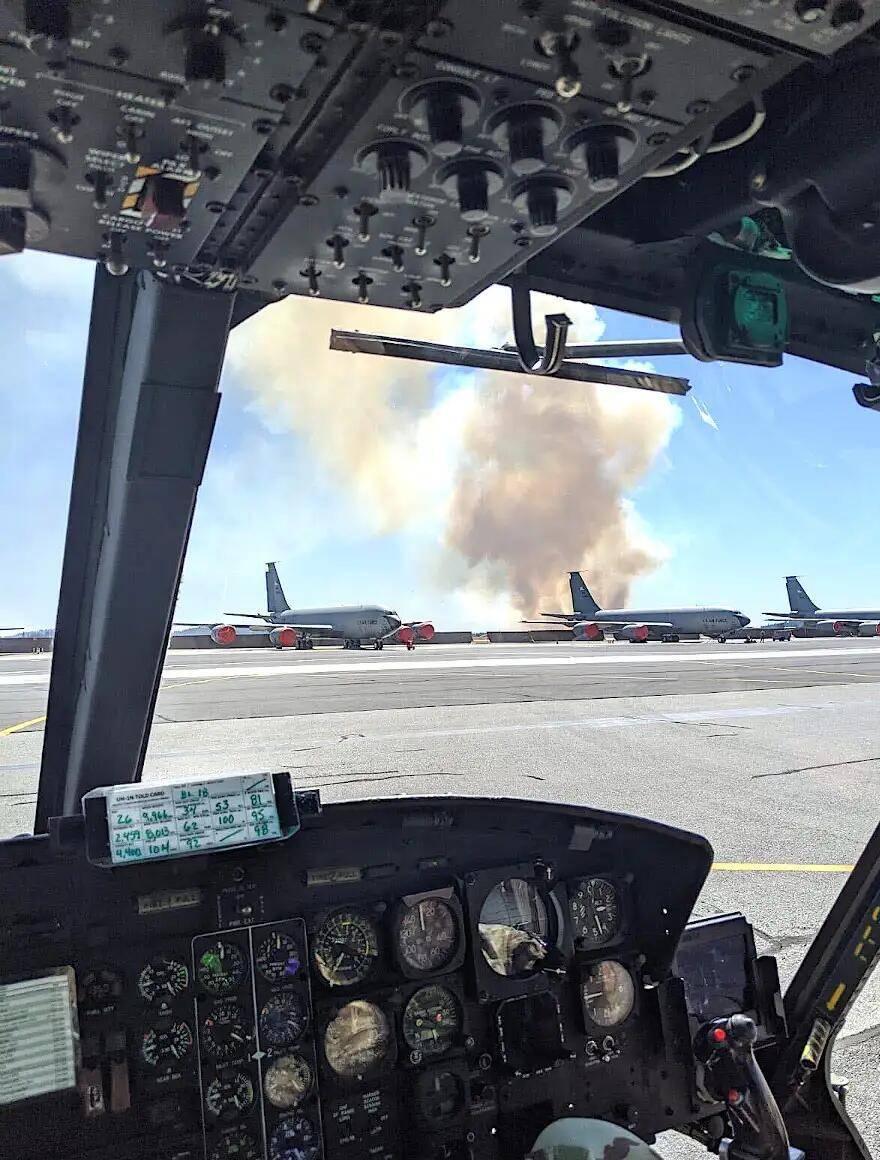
{"points": [[406, 635], [285, 637], [869, 628], [636, 633], [587, 630], [223, 634], [426, 631]]}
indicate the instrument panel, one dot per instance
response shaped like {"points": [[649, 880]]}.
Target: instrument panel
{"points": [[438, 978]]}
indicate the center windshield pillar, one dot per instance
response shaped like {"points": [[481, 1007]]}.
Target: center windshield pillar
{"points": [[149, 403]]}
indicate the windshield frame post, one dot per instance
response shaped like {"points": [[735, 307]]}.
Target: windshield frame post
{"points": [[150, 399]]}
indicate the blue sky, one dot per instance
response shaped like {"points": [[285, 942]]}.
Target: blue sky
{"points": [[767, 472]]}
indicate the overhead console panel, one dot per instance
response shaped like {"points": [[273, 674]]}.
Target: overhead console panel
{"points": [[406, 157], [410, 155]]}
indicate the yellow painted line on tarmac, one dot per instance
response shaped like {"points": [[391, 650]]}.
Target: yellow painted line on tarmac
{"points": [[21, 725], [783, 867]]}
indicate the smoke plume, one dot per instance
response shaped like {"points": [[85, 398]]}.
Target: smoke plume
{"points": [[518, 479]]}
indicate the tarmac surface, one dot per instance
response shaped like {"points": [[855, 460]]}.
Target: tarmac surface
{"points": [[772, 750]]}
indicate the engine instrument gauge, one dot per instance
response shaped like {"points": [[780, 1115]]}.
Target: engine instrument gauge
{"points": [[164, 1044], [595, 911], [278, 957], [222, 967], [237, 1145], [346, 948], [288, 1079], [431, 1021], [163, 978], [294, 1139], [283, 1018], [608, 993], [357, 1038], [230, 1095], [514, 927], [427, 935], [224, 1034], [440, 1095]]}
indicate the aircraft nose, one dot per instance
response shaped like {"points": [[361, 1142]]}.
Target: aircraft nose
{"points": [[743, 620]]}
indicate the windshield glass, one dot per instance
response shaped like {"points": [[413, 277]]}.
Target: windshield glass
{"points": [[662, 606]]}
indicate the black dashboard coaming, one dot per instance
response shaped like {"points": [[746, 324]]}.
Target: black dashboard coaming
{"points": [[60, 910]]}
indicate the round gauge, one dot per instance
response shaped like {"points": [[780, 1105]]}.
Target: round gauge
{"points": [[230, 1096], [278, 957], [295, 1139], [440, 1095], [595, 911], [164, 1044], [346, 948], [283, 1018], [163, 978], [514, 927], [237, 1145], [608, 993], [224, 1033], [287, 1080], [427, 936], [357, 1038], [222, 967], [99, 989], [431, 1021]]}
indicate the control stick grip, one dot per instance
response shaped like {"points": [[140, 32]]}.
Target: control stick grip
{"points": [[731, 1074]]}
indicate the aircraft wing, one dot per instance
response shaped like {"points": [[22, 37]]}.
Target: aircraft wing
{"points": [[617, 624], [567, 622], [267, 620], [813, 618]]}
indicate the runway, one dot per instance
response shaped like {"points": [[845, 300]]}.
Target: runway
{"points": [[770, 750]]}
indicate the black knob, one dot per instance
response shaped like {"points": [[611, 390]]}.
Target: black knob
{"points": [[394, 169], [100, 182], [311, 275], [445, 262], [847, 13], [422, 223], [809, 11], [363, 282], [413, 292], [602, 150], [542, 198], [364, 212], [205, 61], [337, 244], [526, 131], [472, 183], [395, 163], [443, 108]]}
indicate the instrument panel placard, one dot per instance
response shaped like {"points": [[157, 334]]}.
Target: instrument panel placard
{"points": [[38, 1036], [148, 822]]}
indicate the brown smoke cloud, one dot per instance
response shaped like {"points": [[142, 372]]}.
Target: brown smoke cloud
{"points": [[522, 479]]}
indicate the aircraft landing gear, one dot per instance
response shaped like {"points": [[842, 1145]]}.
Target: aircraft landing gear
{"points": [[378, 645], [348, 643]]}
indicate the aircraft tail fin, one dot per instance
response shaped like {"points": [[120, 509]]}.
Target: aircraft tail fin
{"points": [[798, 600], [582, 601], [276, 601]]}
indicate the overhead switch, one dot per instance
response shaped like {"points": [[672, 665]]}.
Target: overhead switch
{"points": [[443, 109], [526, 131], [543, 198], [602, 150], [395, 163], [472, 183]]}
